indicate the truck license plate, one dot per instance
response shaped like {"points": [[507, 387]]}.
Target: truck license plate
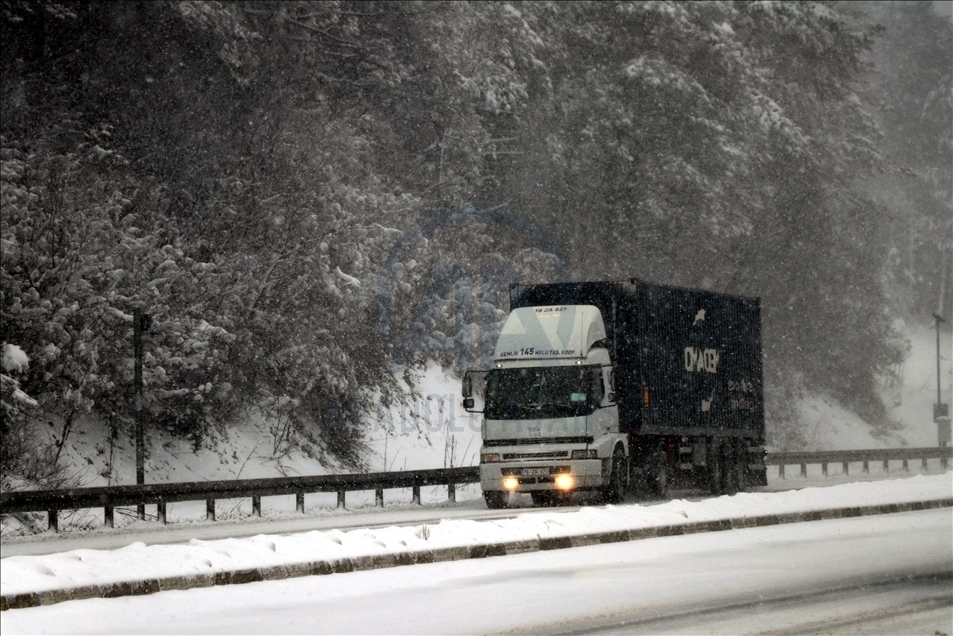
{"points": [[535, 472]]}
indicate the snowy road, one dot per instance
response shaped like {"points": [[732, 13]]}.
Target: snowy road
{"points": [[837, 575], [913, 605]]}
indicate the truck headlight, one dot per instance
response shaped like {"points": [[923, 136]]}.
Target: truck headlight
{"points": [[510, 483], [565, 481], [585, 454], [489, 458]]}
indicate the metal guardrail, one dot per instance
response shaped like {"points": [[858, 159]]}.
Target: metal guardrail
{"points": [[110, 497], [845, 458]]}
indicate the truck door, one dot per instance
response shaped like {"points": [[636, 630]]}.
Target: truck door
{"points": [[604, 418]]}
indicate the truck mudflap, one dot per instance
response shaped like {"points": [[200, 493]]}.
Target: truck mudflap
{"points": [[568, 475]]}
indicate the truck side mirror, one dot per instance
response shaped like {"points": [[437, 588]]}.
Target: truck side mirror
{"points": [[474, 382]]}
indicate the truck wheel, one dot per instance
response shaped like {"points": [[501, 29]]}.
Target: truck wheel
{"points": [[745, 468], [715, 467], [658, 476], [740, 457], [730, 468], [614, 492], [542, 498], [495, 499]]}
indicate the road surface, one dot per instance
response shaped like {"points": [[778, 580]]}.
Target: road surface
{"points": [[879, 574]]}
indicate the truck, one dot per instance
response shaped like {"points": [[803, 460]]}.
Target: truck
{"points": [[619, 385]]}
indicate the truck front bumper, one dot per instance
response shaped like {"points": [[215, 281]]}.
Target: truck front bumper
{"points": [[586, 474]]}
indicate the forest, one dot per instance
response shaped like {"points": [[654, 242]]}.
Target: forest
{"points": [[310, 197]]}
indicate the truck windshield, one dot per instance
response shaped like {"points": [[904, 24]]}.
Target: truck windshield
{"points": [[538, 392]]}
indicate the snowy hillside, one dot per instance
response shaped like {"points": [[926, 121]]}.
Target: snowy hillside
{"points": [[909, 395], [429, 431]]}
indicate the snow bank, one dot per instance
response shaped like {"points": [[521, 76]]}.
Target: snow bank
{"points": [[137, 562]]}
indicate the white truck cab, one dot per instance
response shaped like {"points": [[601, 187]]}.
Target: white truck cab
{"points": [[550, 420]]}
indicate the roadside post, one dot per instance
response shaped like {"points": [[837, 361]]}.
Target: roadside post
{"points": [[140, 322], [941, 411]]}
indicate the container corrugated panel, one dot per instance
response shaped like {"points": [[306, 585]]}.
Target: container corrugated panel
{"points": [[701, 362], [688, 362]]}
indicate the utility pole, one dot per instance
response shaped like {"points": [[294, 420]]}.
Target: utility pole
{"points": [[939, 319], [140, 322]]}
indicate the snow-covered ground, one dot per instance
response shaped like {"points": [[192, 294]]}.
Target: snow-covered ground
{"points": [[908, 393], [818, 577], [139, 561], [429, 429]]}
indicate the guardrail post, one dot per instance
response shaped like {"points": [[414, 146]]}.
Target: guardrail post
{"points": [[210, 509], [110, 517], [824, 468], [804, 470], [780, 471], [925, 464], [299, 502], [415, 497], [141, 512], [161, 513], [340, 499], [943, 462], [452, 492], [886, 465], [256, 506], [866, 467], [906, 466], [379, 497], [54, 522], [846, 468]]}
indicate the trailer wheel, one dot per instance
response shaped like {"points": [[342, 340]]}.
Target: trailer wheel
{"points": [[614, 492], [741, 465], [745, 468], [658, 474], [730, 467], [495, 499], [715, 472]]}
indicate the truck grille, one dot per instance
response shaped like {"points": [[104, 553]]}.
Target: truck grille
{"points": [[526, 441], [546, 455], [533, 472], [537, 480]]}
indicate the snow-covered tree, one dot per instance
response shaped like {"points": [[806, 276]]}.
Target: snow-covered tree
{"points": [[248, 173]]}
